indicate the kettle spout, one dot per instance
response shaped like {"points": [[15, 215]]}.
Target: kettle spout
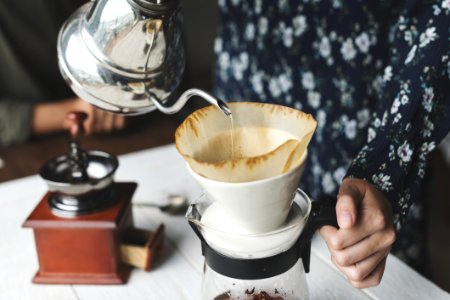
{"points": [[178, 105]]}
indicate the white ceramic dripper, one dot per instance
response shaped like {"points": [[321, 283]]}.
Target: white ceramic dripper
{"points": [[254, 189]]}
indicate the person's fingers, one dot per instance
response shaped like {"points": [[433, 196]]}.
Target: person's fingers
{"points": [[108, 122], [348, 201], [89, 122], [119, 122], [376, 242], [373, 279], [329, 233], [359, 271]]}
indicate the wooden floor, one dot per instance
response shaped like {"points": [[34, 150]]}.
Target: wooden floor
{"points": [[156, 129]]}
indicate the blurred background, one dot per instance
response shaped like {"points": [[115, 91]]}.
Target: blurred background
{"points": [[155, 129]]}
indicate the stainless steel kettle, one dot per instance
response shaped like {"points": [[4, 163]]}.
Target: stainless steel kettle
{"points": [[126, 56]]}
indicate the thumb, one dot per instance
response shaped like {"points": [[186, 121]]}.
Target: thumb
{"points": [[347, 205]]}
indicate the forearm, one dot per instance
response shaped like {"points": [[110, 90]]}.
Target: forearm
{"points": [[15, 121], [414, 112]]}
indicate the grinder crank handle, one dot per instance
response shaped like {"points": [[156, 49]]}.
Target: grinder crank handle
{"points": [[77, 157], [76, 127], [323, 212]]}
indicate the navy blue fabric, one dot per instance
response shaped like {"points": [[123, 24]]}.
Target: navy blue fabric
{"points": [[374, 74]]}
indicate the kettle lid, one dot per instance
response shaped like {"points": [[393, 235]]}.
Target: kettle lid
{"points": [[155, 7]]}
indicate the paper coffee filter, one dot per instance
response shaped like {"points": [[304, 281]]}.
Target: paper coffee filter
{"points": [[267, 139]]}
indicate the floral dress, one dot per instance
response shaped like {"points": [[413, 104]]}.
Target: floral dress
{"points": [[374, 74]]}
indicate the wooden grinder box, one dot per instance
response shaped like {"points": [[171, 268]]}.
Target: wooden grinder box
{"points": [[83, 249]]}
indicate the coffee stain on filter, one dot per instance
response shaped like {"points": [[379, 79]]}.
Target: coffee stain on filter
{"points": [[268, 140]]}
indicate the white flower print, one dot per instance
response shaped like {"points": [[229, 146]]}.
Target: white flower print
{"points": [[321, 118], [224, 60], [239, 65], [377, 83], [363, 42], [428, 36], [287, 35], [377, 123], [427, 147], [258, 6], [218, 45], [244, 59], [353, 71], [448, 69], [339, 174], [328, 184], [348, 51], [407, 36], [395, 106], [299, 24], [391, 152], [288, 99], [274, 87], [263, 25], [428, 96], [313, 99], [429, 127], [316, 170], [411, 55], [250, 31], [257, 82], [405, 152], [337, 3], [382, 181], [283, 5], [324, 47], [446, 4], [363, 117], [397, 118], [371, 134], [421, 172], [285, 82], [333, 35], [404, 100], [402, 23], [385, 119], [298, 105], [350, 129], [330, 61], [437, 9], [308, 81], [387, 74], [235, 2]]}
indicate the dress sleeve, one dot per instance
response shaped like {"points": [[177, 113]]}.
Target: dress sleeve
{"points": [[15, 121], [413, 114]]}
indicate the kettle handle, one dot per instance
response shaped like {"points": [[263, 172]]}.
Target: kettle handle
{"points": [[323, 212]]}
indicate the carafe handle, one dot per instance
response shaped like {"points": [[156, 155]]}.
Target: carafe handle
{"points": [[323, 212]]}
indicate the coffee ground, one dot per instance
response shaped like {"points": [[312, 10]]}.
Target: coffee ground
{"points": [[258, 296]]}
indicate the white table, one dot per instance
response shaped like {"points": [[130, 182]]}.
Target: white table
{"points": [[161, 172]]}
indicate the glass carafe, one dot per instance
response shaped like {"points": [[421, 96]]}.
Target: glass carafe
{"points": [[268, 265], [289, 285]]}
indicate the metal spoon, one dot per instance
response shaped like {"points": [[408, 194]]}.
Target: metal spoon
{"points": [[177, 205]]}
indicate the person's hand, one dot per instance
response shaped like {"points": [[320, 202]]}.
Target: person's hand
{"points": [[359, 248], [52, 117], [98, 120]]}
